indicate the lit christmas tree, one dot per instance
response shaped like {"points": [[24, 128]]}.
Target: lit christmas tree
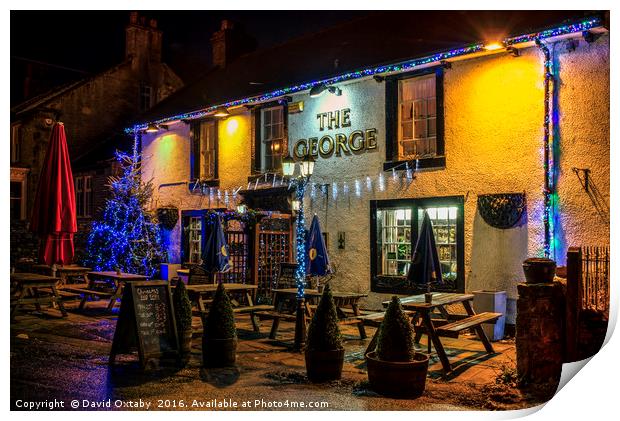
{"points": [[128, 237]]}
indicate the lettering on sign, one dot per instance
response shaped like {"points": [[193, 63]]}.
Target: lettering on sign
{"points": [[338, 144]]}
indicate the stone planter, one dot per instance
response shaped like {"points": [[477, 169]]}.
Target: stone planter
{"points": [[538, 270], [324, 366], [219, 352], [494, 302], [398, 379]]}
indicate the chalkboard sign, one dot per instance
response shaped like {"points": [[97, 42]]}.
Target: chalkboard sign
{"points": [[145, 322]]}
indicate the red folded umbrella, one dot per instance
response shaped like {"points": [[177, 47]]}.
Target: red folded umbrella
{"points": [[53, 215]]}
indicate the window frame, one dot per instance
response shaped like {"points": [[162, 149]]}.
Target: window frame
{"points": [[257, 155], [414, 204], [15, 142], [196, 161], [142, 95], [392, 123], [83, 196], [21, 198]]}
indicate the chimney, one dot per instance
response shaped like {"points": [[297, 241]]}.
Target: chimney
{"points": [[142, 41], [229, 43]]}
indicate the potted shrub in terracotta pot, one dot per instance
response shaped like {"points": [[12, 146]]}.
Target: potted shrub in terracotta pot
{"points": [[219, 340], [324, 350], [183, 316], [394, 368]]}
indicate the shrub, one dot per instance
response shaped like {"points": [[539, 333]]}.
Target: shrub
{"points": [[221, 319], [395, 340], [323, 333], [182, 307]]}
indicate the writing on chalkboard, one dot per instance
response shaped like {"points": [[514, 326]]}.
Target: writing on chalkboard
{"points": [[146, 321]]}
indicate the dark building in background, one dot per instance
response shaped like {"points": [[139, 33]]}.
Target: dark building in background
{"points": [[94, 110]]}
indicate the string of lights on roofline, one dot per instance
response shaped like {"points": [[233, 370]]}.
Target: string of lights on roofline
{"points": [[582, 26]]}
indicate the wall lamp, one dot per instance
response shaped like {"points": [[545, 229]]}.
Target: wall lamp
{"points": [[221, 112], [318, 90], [152, 128]]}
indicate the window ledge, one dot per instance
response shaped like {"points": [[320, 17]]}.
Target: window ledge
{"points": [[438, 162], [205, 183], [261, 176]]}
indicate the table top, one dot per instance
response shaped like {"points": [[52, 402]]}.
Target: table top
{"points": [[417, 302], [316, 293], [33, 277], [183, 272], [67, 268], [228, 287], [121, 277]]}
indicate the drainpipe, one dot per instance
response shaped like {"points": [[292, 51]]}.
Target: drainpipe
{"points": [[547, 165]]}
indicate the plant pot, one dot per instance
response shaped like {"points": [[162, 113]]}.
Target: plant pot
{"points": [[538, 270], [168, 216], [406, 379], [219, 352], [324, 366], [185, 341]]}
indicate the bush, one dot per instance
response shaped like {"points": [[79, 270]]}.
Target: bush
{"points": [[395, 340], [182, 307], [323, 333], [221, 319]]}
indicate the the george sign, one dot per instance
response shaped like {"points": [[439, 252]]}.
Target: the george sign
{"points": [[329, 144], [146, 322]]}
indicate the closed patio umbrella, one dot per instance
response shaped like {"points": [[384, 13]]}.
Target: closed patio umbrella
{"points": [[53, 215], [215, 250], [425, 268], [317, 263]]}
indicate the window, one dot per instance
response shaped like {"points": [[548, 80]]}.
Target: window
{"points": [[84, 196], [17, 200], [270, 139], [395, 225], [194, 239], [414, 119], [204, 151], [15, 142], [146, 97]]}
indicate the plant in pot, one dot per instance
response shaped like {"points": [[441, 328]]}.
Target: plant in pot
{"points": [[219, 340], [183, 316], [394, 368], [324, 350]]}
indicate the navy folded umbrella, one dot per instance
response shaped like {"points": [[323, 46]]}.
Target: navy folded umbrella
{"points": [[425, 268], [215, 249], [317, 263]]}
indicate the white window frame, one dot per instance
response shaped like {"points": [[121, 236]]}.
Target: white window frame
{"points": [[268, 140], [424, 146]]}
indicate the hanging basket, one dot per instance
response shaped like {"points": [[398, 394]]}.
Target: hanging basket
{"points": [[502, 210], [168, 216]]}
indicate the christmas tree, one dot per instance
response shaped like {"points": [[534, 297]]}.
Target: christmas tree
{"points": [[128, 236]]}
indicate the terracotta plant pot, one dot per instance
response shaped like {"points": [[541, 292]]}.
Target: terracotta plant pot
{"points": [[219, 352], [538, 270], [324, 366], [185, 341], [405, 379]]}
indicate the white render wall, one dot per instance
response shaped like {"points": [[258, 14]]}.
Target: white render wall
{"points": [[493, 144]]}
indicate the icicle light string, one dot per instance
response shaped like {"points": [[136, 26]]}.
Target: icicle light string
{"points": [[392, 68]]}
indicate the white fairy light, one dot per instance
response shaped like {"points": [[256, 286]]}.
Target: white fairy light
{"points": [[358, 188], [408, 171], [368, 183], [313, 190], [381, 182], [226, 198], [394, 177], [345, 188], [335, 190]]}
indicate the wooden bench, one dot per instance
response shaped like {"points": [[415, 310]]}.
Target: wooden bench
{"points": [[375, 320], [276, 316], [452, 330], [88, 293]]}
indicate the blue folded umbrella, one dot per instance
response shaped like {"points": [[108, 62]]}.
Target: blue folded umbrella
{"points": [[317, 263], [215, 249], [425, 269]]}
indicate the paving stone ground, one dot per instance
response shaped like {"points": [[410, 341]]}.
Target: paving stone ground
{"points": [[66, 359]]}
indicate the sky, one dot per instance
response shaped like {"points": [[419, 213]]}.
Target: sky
{"points": [[81, 42]]}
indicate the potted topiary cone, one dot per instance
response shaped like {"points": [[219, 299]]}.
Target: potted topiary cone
{"points": [[183, 315], [219, 340], [394, 368], [324, 351]]}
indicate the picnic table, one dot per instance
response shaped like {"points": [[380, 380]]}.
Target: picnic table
{"points": [[450, 325], [343, 301], [64, 272], [105, 284], [37, 289]]}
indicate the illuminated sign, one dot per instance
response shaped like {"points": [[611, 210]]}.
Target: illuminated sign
{"points": [[326, 145]]}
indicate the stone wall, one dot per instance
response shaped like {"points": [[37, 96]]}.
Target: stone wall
{"points": [[24, 244]]}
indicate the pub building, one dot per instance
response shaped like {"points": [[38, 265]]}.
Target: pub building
{"points": [[503, 141]]}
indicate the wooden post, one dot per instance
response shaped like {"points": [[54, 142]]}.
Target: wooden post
{"points": [[573, 302]]}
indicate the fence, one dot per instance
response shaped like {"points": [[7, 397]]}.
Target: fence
{"points": [[595, 279]]}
